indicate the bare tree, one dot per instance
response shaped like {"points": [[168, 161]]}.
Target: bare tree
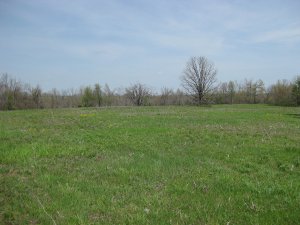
{"points": [[108, 95], [98, 94], [199, 78], [224, 92], [87, 97], [54, 98], [260, 91], [138, 94], [296, 91], [36, 94], [5, 93], [165, 95], [231, 90], [254, 91], [281, 93]]}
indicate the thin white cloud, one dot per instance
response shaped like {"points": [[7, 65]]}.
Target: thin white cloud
{"points": [[203, 44], [286, 35]]}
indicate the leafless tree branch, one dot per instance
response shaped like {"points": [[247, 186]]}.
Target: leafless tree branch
{"points": [[199, 78]]}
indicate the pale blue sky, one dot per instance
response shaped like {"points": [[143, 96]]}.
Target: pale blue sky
{"points": [[66, 44]]}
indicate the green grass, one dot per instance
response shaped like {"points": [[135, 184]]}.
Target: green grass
{"points": [[224, 164]]}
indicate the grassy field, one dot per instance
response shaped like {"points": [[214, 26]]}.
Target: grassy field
{"points": [[224, 164]]}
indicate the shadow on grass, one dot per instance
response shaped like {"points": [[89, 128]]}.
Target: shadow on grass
{"points": [[294, 115]]}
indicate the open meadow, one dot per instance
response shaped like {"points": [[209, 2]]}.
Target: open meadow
{"points": [[225, 164]]}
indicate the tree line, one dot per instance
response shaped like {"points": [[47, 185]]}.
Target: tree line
{"points": [[198, 82]]}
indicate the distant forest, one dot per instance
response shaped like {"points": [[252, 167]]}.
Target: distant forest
{"points": [[15, 94]]}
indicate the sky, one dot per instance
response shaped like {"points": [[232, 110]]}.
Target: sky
{"points": [[67, 44]]}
